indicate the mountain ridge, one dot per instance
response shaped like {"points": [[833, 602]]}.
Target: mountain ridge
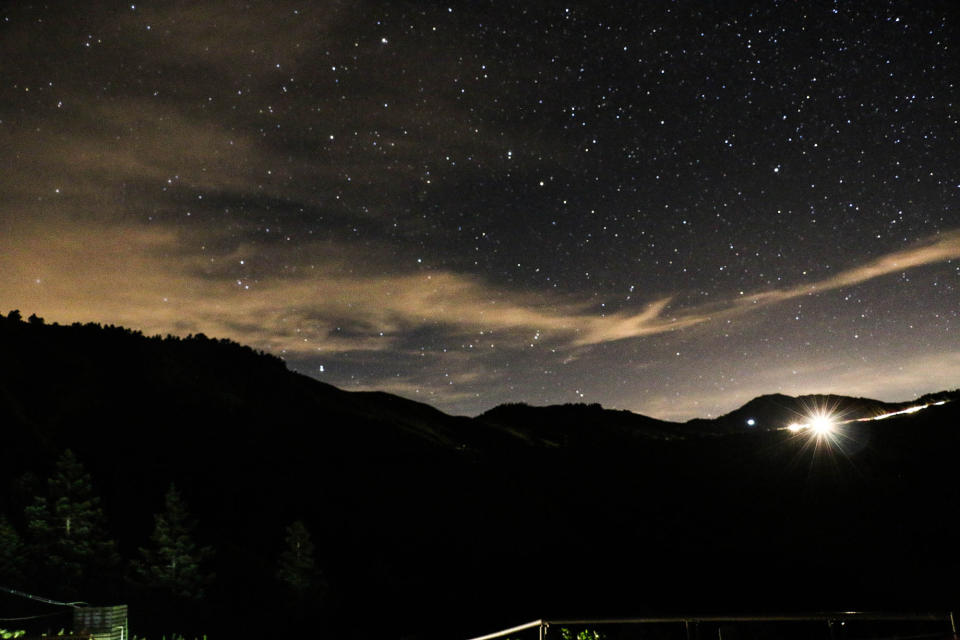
{"points": [[526, 423]]}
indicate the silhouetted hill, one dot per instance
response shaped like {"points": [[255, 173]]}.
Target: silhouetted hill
{"points": [[576, 425], [434, 525], [55, 374]]}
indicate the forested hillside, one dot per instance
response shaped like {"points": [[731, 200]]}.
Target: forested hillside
{"points": [[299, 506]]}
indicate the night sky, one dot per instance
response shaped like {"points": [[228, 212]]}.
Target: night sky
{"points": [[663, 207]]}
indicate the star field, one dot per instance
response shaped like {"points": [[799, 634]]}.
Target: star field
{"points": [[669, 208]]}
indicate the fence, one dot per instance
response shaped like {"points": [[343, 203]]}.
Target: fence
{"points": [[843, 625], [102, 623]]}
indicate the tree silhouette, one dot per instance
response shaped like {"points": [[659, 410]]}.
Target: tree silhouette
{"points": [[296, 562], [173, 562], [67, 530], [11, 553]]}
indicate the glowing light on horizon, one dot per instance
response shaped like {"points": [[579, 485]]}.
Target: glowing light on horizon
{"points": [[823, 422], [822, 425], [908, 410]]}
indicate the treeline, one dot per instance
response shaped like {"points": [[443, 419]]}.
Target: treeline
{"points": [[60, 546], [105, 334]]}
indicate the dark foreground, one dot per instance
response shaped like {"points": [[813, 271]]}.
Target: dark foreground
{"points": [[426, 525]]}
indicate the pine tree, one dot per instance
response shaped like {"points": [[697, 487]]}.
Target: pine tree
{"points": [[67, 530], [11, 553], [296, 562], [173, 562]]}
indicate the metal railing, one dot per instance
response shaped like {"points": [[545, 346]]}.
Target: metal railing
{"points": [[691, 623]]}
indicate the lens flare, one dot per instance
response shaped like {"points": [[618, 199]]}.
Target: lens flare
{"points": [[822, 425], [818, 423], [826, 429]]}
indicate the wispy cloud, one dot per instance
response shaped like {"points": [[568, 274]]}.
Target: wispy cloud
{"points": [[655, 319], [943, 247], [143, 278]]}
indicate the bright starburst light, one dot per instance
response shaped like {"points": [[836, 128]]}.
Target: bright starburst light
{"points": [[822, 425], [825, 429], [821, 422]]}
